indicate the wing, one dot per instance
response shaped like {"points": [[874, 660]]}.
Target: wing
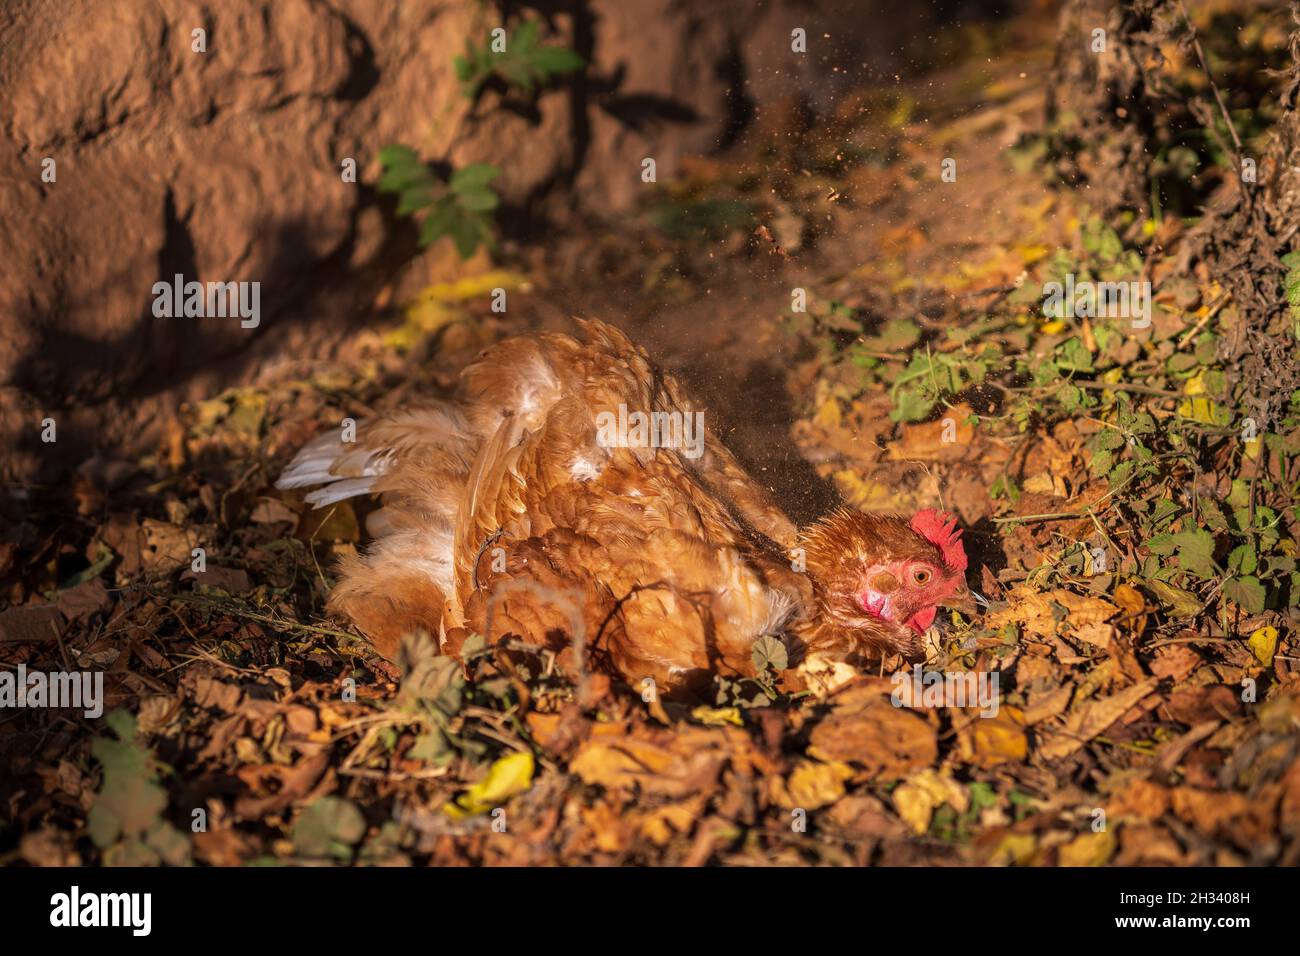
{"points": [[507, 513]]}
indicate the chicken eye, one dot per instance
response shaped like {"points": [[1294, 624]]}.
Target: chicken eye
{"points": [[921, 577]]}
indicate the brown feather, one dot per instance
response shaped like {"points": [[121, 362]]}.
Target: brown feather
{"points": [[503, 514]]}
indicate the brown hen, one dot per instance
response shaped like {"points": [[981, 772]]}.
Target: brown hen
{"points": [[570, 496]]}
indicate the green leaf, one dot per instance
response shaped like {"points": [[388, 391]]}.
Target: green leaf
{"points": [[430, 681], [438, 223], [402, 169], [328, 827], [557, 59], [1247, 592], [1195, 550], [479, 200], [396, 155], [473, 177], [897, 335], [1179, 603], [465, 234], [1213, 515], [1072, 354], [414, 199], [1164, 510], [1239, 496], [524, 38], [1242, 559], [1005, 487], [396, 179], [129, 801], [1108, 439], [910, 406], [519, 74], [433, 747]]}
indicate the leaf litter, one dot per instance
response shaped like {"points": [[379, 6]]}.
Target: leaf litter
{"points": [[1141, 604]]}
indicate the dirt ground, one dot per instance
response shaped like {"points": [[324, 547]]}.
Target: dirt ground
{"points": [[1139, 559]]}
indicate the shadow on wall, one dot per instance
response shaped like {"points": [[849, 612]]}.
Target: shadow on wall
{"points": [[308, 299]]}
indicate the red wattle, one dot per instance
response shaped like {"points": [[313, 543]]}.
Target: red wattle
{"points": [[921, 620]]}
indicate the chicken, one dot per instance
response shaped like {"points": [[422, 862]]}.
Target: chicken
{"points": [[570, 496]]}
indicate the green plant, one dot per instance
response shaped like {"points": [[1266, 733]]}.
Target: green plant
{"points": [[458, 208], [520, 62], [126, 819], [1292, 285]]}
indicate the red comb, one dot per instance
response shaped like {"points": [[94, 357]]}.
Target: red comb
{"points": [[940, 529]]}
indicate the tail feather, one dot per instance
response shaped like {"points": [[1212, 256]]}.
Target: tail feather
{"points": [[436, 435]]}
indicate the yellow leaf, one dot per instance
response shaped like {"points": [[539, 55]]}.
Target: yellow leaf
{"points": [[1198, 407], [1031, 252], [860, 492], [510, 775], [918, 798], [473, 287], [207, 414], [1263, 641], [247, 412], [717, 716], [812, 785], [1088, 849], [1053, 327], [1015, 848], [828, 413], [423, 317]]}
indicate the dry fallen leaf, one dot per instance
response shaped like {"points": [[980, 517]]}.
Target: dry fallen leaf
{"points": [[948, 438], [919, 796], [1098, 635], [1047, 704], [165, 547], [661, 824], [887, 741], [812, 785], [1092, 718], [989, 741], [1138, 799], [30, 623], [677, 767], [1042, 613]]}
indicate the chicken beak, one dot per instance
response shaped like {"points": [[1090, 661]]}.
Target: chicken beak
{"points": [[965, 600]]}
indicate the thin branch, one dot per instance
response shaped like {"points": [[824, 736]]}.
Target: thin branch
{"points": [[1218, 97]]}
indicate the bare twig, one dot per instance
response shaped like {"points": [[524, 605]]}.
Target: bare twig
{"points": [[1218, 98]]}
